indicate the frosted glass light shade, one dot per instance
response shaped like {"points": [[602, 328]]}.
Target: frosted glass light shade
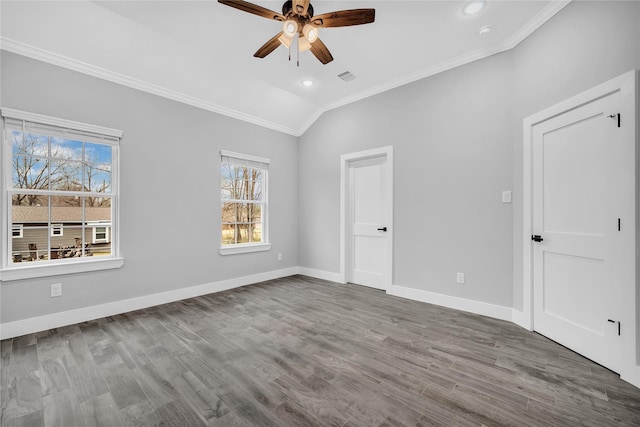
{"points": [[310, 32], [303, 44], [290, 28], [285, 41]]}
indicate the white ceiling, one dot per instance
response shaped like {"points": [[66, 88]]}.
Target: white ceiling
{"points": [[201, 52]]}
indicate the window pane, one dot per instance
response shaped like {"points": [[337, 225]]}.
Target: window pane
{"points": [[66, 149], [29, 144], [98, 202], [30, 172], [66, 175], [69, 245], [32, 213], [256, 232], [257, 185], [229, 213], [97, 178], [97, 153], [98, 226], [243, 233], [228, 234], [66, 210]]}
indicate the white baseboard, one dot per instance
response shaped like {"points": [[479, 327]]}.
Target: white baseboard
{"points": [[521, 319], [471, 306], [320, 274], [56, 320]]}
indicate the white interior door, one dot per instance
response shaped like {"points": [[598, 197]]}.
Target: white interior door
{"points": [[576, 211], [369, 222]]}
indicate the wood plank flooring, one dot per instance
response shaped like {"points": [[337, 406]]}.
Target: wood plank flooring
{"points": [[304, 352]]}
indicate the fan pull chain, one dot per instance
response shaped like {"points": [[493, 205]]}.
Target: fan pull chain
{"points": [[298, 54]]}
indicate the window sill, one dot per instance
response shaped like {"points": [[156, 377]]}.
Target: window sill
{"points": [[70, 267], [243, 249]]}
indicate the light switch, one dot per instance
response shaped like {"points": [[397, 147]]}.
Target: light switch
{"points": [[506, 197]]}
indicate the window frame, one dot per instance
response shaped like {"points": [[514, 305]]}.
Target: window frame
{"points": [[253, 161], [20, 229], [89, 133], [57, 230], [95, 233]]}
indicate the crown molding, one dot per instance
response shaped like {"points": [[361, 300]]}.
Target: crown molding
{"points": [[534, 23], [82, 67], [53, 58]]}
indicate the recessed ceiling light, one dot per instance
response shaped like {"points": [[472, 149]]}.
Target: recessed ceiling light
{"points": [[485, 30], [307, 83], [474, 7]]}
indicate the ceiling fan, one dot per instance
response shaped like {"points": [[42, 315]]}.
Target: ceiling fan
{"points": [[298, 21]]}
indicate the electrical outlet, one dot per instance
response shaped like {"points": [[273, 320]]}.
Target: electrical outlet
{"points": [[56, 290], [460, 278], [279, 256]]}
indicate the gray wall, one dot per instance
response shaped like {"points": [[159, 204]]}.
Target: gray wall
{"points": [[170, 183], [452, 152], [458, 139]]}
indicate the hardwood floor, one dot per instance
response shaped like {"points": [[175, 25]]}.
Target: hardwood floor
{"points": [[304, 352]]}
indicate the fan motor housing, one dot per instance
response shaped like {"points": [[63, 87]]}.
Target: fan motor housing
{"points": [[287, 9]]}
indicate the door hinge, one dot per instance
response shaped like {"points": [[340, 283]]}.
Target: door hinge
{"points": [[615, 116], [618, 322]]}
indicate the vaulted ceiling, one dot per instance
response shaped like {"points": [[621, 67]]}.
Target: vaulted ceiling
{"points": [[201, 52]]}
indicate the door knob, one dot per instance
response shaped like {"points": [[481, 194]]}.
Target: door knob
{"points": [[536, 238], [382, 229]]}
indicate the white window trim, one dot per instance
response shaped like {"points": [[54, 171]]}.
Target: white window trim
{"points": [[54, 228], [20, 271], [106, 233], [243, 248], [18, 227]]}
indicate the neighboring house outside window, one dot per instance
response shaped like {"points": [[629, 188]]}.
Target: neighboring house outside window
{"points": [[244, 203], [61, 180]]}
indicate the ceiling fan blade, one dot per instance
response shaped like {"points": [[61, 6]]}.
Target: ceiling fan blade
{"points": [[321, 52], [245, 6], [269, 46], [301, 7], [344, 18]]}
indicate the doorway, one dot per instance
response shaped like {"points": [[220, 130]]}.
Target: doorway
{"points": [[367, 218], [580, 224]]}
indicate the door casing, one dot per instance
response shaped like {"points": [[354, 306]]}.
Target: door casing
{"points": [[627, 85], [345, 159]]}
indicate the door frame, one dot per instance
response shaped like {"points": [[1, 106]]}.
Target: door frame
{"points": [[345, 159], [627, 85]]}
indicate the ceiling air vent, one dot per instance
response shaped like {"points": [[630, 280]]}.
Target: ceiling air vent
{"points": [[347, 76]]}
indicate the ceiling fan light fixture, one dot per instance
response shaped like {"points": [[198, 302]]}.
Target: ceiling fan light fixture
{"points": [[285, 41], [474, 7], [303, 44], [290, 28], [310, 32]]}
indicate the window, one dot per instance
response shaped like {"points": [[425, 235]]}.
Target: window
{"points": [[60, 176], [16, 231], [243, 203], [100, 234], [56, 230]]}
